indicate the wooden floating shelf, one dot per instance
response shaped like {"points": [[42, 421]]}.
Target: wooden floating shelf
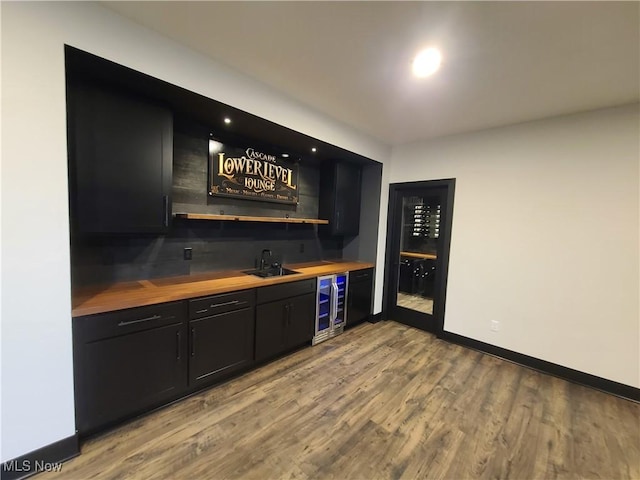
{"points": [[426, 256], [245, 218]]}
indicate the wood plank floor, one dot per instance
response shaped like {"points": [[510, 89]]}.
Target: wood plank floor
{"points": [[415, 302], [380, 401]]}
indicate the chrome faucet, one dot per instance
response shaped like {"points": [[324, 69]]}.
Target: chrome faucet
{"points": [[262, 257]]}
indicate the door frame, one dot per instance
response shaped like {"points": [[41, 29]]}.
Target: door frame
{"points": [[391, 264]]}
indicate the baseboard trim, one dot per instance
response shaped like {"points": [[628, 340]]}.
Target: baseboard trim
{"points": [[609, 386], [375, 318], [47, 458]]}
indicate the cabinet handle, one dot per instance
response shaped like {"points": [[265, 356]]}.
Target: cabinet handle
{"points": [[338, 220], [140, 320], [285, 317], [233, 302], [193, 342], [334, 303], [165, 200], [178, 345]]}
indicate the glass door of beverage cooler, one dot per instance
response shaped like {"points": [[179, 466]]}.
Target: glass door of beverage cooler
{"points": [[324, 316], [341, 281]]}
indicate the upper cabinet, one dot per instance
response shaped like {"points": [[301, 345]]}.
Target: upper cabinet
{"points": [[121, 156], [340, 188]]}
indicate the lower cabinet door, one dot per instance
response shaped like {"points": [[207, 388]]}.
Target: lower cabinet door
{"points": [[271, 329], [127, 374], [359, 301], [284, 324], [220, 344], [301, 322]]}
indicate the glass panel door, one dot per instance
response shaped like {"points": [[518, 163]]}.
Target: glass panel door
{"points": [[418, 252], [341, 300], [419, 240], [323, 322]]}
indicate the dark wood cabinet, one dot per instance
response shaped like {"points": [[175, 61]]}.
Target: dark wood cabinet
{"points": [[302, 315], [221, 343], [340, 191], [360, 296], [130, 361], [121, 155], [127, 362], [271, 329], [283, 321]]}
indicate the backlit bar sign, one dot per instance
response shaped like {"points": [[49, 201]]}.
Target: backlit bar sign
{"points": [[251, 174]]}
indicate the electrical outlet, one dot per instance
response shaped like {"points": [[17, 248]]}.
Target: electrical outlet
{"points": [[188, 254], [495, 325]]}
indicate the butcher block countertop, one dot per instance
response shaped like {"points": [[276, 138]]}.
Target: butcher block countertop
{"points": [[109, 298]]}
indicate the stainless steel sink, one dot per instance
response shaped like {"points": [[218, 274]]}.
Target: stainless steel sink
{"points": [[271, 272]]}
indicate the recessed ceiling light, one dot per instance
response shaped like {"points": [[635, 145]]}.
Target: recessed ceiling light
{"points": [[285, 155], [313, 149], [227, 120], [427, 62]]}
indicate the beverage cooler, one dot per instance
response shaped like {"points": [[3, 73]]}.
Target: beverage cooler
{"points": [[331, 312]]}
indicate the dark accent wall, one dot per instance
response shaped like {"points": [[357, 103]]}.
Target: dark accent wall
{"points": [[190, 187], [364, 246], [215, 245]]}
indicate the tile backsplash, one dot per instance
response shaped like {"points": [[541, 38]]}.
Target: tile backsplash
{"points": [[215, 246]]}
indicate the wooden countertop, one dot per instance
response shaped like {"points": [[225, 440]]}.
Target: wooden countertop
{"points": [[108, 298], [427, 256]]}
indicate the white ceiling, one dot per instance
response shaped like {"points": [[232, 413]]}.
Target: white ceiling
{"points": [[503, 62]]}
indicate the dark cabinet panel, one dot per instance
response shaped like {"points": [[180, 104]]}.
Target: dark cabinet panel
{"points": [[271, 329], [284, 324], [286, 290], [121, 154], [220, 345], [361, 275], [347, 209], [360, 296], [340, 185], [120, 376], [302, 313]]}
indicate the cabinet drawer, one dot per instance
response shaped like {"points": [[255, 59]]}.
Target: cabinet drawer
{"points": [[286, 290], [226, 302], [361, 275], [122, 322]]}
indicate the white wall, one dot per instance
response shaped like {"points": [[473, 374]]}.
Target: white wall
{"points": [[37, 387], [545, 237]]}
